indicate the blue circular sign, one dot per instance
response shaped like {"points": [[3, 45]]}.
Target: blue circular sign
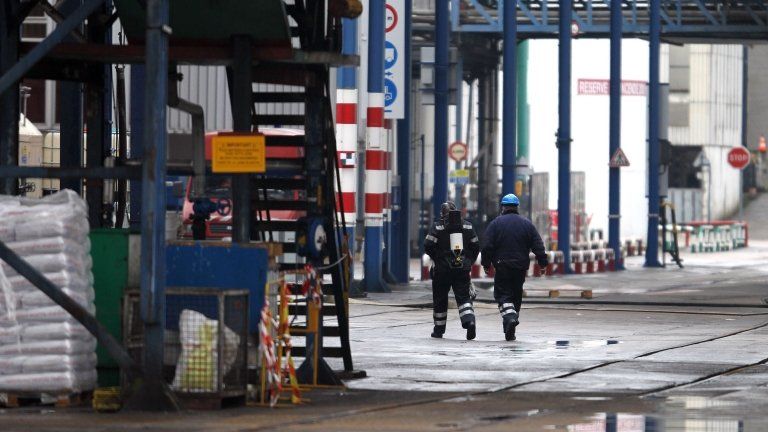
{"points": [[390, 55], [390, 92]]}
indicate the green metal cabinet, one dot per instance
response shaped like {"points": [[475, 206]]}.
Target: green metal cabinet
{"points": [[109, 250]]}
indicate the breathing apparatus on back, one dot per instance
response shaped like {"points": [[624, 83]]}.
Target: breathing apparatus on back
{"points": [[451, 218]]}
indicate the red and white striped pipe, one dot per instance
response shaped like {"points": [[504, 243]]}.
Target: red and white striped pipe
{"points": [[389, 141], [376, 162], [346, 148]]}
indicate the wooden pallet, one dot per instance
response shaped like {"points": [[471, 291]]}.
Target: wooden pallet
{"points": [[62, 400], [555, 293], [541, 292]]}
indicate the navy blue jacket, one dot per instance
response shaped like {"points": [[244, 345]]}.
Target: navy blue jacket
{"points": [[509, 239]]}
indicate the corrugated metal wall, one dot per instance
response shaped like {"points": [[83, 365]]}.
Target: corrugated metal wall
{"points": [[207, 86], [715, 98]]}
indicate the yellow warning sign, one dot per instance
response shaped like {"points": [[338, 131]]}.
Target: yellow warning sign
{"points": [[238, 153]]}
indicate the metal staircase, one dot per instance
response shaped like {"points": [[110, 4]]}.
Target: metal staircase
{"points": [[300, 187]]}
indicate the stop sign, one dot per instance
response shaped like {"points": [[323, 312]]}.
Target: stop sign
{"points": [[738, 157]]}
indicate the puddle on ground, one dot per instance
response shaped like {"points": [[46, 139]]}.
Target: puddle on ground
{"points": [[564, 344], [524, 348], [611, 422], [674, 414]]}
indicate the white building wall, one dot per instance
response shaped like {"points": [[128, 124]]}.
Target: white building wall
{"points": [[589, 149], [715, 123]]}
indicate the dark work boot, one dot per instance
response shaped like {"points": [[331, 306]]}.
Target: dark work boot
{"points": [[509, 332], [437, 332], [471, 331]]}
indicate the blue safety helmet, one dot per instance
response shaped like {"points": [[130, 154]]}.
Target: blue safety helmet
{"points": [[510, 200]]}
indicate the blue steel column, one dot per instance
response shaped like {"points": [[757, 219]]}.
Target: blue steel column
{"points": [[137, 141], [153, 192], [98, 99], [652, 251], [241, 102], [509, 112], [373, 230], [442, 42], [614, 186], [401, 217], [564, 135], [71, 120]]}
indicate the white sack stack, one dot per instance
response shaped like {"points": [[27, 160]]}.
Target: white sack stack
{"points": [[42, 348]]}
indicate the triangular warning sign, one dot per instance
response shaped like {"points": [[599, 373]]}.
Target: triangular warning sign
{"points": [[619, 159]]}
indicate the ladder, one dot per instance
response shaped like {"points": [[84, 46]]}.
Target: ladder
{"points": [[302, 181]]}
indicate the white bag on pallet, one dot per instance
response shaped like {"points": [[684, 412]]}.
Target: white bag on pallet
{"points": [[42, 347], [50, 245], [76, 381], [62, 279], [51, 263], [48, 347], [47, 363]]}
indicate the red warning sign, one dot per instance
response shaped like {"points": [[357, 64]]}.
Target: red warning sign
{"points": [[619, 159]]}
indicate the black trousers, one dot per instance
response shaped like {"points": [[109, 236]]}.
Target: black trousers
{"points": [[442, 282], [508, 292]]}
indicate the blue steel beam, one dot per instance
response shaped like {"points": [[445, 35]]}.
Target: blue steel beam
{"points": [[98, 119], [71, 120], [614, 182], [23, 65], [564, 135], [652, 251], [509, 99], [372, 280], [401, 218], [153, 193], [442, 42]]}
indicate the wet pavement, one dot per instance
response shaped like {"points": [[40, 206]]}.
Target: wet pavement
{"points": [[673, 350]]}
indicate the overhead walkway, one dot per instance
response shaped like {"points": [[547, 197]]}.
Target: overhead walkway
{"points": [[681, 20]]}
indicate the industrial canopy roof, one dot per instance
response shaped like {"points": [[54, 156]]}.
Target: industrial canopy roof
{"points": [[207, 21]]}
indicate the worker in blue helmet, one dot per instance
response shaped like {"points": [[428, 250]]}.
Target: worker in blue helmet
{"points": [[508, 241], [453, 246]]}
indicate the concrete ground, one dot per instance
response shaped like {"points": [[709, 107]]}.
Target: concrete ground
{"points": [[654, 350]]}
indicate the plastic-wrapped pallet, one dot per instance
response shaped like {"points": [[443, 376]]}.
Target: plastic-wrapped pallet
{"points": [[42, 348]]}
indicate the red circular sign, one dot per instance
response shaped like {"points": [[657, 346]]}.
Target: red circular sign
{"points": [[391, 19], [738, 157], [457, 151], [575, 30]]}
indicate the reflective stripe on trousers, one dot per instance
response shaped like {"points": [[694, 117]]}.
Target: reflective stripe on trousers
{"points": [[440, 318]]}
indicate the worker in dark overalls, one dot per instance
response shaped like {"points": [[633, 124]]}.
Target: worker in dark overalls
{"points": [[508, 240], [453, 246]]}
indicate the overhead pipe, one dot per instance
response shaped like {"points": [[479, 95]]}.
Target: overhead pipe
{"points": [[198, 134]]}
